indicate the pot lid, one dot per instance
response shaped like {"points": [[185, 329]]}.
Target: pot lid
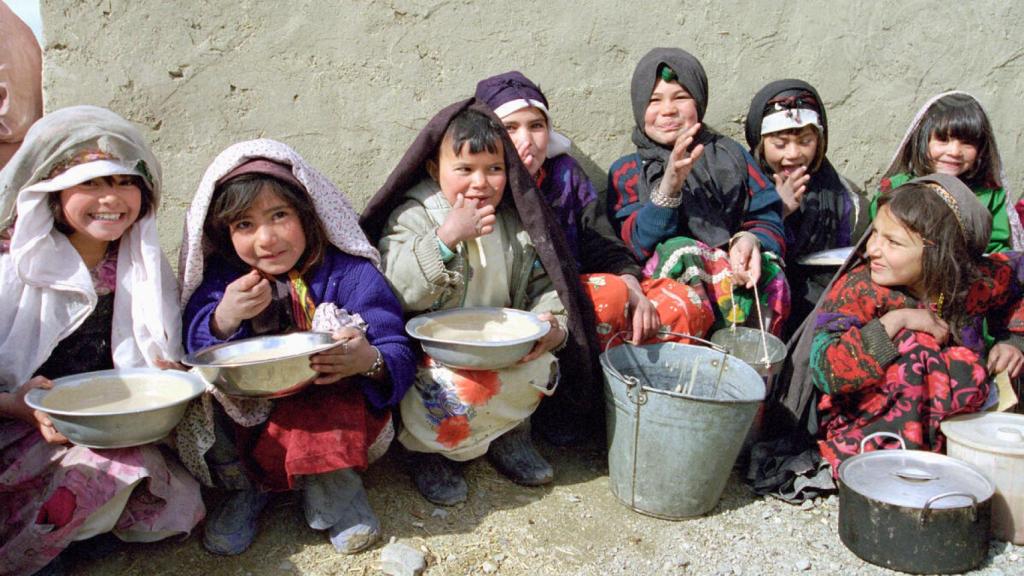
{"points": [[910, 478], [990, 432]]}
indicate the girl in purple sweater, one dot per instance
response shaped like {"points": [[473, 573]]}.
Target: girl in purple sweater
{"points": [[271, 246]]}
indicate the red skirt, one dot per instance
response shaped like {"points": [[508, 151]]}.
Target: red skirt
{"points": [[321, 429]]}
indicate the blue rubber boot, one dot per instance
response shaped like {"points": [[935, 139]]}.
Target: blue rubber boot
{"points": [[358, 528], [232, 527], [326, 497], [438, 479]]}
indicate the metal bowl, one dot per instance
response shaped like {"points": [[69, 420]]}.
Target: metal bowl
{"points": [[117, 408], [261, 367], [480, 338], [745, 344]]}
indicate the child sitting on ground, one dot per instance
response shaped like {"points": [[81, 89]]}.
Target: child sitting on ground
{"points": [[460, 224], [85, 288], [271, 246], [897, 342], [951, 134]]}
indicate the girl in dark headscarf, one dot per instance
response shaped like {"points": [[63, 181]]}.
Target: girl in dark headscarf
{"points": [[460, 223], [693, 201], [897, 343], [787, 131], [622, 299]]}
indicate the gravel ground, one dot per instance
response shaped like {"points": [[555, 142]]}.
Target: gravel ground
{"points": [[574, 526]]}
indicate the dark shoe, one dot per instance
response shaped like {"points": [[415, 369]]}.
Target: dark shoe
{"points": [[514, 456], [232, 527], [358, 528], [326, 497], [438, 479]]}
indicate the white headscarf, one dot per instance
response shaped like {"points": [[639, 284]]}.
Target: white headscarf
{"points": [[47, 289], [1016, 227], [336, 213]]}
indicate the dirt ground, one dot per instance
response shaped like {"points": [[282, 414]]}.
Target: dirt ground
{"points": [[574, 526]]}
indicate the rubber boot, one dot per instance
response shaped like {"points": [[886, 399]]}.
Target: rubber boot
{"points": [[514, 455], [438, 479], [358, 528], [232, 527], [326, 497]]}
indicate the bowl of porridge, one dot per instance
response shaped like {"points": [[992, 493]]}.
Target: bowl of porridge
{"points": [[479, 338], [261, 367], [117, 408]]}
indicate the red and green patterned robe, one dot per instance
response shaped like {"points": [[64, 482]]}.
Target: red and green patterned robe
{"points": [[907, 384]]}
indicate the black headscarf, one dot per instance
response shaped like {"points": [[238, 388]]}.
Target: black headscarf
{"points": [[715, 196], [579, 390], [814, 227]]}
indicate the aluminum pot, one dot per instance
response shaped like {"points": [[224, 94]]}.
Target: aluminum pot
{"points": [[914, 511], [477, 338]]}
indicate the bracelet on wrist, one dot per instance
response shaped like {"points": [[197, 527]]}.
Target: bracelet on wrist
{"points": [[377, 368]]}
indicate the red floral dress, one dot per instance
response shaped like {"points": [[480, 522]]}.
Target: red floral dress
{"points": [[910, 384]]}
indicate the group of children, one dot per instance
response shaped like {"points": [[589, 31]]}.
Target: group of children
{"points": [[487, 208]]}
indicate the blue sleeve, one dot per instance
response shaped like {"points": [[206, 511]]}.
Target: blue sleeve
{"points": [[764, 213], [196, 333], [641, 225]]}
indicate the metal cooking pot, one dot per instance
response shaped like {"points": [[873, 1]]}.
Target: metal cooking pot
{"points": [[914, 511]]}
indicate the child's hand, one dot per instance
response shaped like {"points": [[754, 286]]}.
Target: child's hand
{"points": [[169, 365], [466, 220], [14, 405], [243, 299], [791, 189], [644, 314], [681, 161], [745, 260], [354, 355], [549, 341], [1004, 357], [916, 319]]}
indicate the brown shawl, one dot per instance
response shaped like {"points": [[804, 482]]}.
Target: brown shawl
{"points": [[578, 394]]}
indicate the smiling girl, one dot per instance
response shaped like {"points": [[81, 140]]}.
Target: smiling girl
{"points": [[897, 342], [270, 247], [460, 224], [951, 134], [85, 287], [787, 131]]}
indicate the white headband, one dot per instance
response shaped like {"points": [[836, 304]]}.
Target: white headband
{"points": [[84, 172], [789, 119], [557, 143]]}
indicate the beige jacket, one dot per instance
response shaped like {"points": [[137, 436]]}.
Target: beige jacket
{"points": [[423, 282]]}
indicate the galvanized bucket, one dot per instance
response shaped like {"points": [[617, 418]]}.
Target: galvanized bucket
{"points": [[677, 415]]}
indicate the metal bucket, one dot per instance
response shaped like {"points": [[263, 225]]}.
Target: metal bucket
{"points": [[677, 415]]}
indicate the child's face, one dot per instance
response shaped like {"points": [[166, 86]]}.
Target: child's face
{"points": [[788, 150], [895, 253], [670, 111], [528, 129], [102, 208], [269, 236], [952, 156], [479, 176]]}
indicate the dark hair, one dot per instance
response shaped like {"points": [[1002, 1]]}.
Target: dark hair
{"points": [[954, 116], [231, 200], [948, 267], [62, 225], [480, 130], [819, 151]]}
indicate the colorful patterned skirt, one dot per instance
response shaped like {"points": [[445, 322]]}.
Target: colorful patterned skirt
{"points": [[925, 385], [681, 308], [707, 271]]}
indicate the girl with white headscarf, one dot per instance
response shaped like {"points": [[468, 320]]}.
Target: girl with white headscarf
{"points": [[85, 288]]}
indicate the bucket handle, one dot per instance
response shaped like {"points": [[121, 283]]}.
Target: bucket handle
{"points": [[926, 511], [903, 445], [632, 381]]}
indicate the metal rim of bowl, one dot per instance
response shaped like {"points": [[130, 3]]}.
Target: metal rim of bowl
{"points": [[193, 359], [34, 398], [413, 325]]}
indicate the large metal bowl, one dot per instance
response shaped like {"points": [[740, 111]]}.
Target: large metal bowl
{"points": [[479, 338], [117, 408], [746, 344], [261, 367]]}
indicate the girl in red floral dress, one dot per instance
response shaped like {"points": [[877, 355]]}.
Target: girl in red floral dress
{"points": [[898, 343]]}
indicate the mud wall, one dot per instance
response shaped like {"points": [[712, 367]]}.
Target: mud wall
{"points": [[349, 83]]}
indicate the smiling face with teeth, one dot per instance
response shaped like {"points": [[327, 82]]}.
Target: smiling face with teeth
{"points": [[101, 210]]}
